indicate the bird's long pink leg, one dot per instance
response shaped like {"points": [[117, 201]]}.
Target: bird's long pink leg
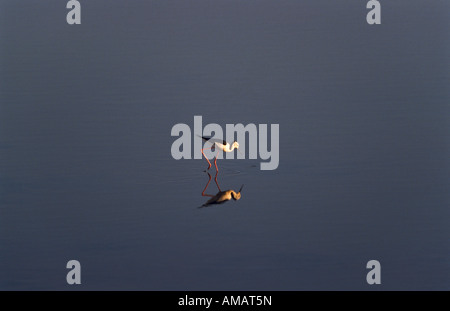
{"points": [[207, 158], [215, 161]]}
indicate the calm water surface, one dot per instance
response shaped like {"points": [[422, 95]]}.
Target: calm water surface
{"points": [[86, 171]]}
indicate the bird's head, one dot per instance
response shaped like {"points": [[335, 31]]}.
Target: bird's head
{"points": [[236, 145], [237, 196]]}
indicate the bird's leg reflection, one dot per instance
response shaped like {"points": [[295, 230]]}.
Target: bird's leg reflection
{"points": [[207, 184], [215, 179], [221, 196]]}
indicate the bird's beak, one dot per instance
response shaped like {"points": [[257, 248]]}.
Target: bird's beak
{"points": [[241, 188], [239, 151]]}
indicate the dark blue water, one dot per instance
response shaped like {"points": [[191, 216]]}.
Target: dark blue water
{"points": [[86, 171]]}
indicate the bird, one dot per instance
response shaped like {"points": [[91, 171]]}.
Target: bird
{"points": [[224, 196], [221, 145]]}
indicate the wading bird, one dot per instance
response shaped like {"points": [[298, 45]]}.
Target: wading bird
{"points": [[219, 144]]}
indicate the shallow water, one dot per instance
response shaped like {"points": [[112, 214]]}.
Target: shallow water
{"points": [[86, 171]]}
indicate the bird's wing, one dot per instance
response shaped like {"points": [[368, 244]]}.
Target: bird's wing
{"points": [[214, 140]]}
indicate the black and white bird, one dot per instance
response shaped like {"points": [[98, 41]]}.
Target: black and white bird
{"points": [[222, 145]]}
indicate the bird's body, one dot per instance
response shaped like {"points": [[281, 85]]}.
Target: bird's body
{"points": [[222, 145]]}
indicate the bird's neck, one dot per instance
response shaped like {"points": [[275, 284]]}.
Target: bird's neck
{"points": [[231, 148]]}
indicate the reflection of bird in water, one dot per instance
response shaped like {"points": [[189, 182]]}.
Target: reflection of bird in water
{"points": [[221, 145], [221, 196], [224, 196]]}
